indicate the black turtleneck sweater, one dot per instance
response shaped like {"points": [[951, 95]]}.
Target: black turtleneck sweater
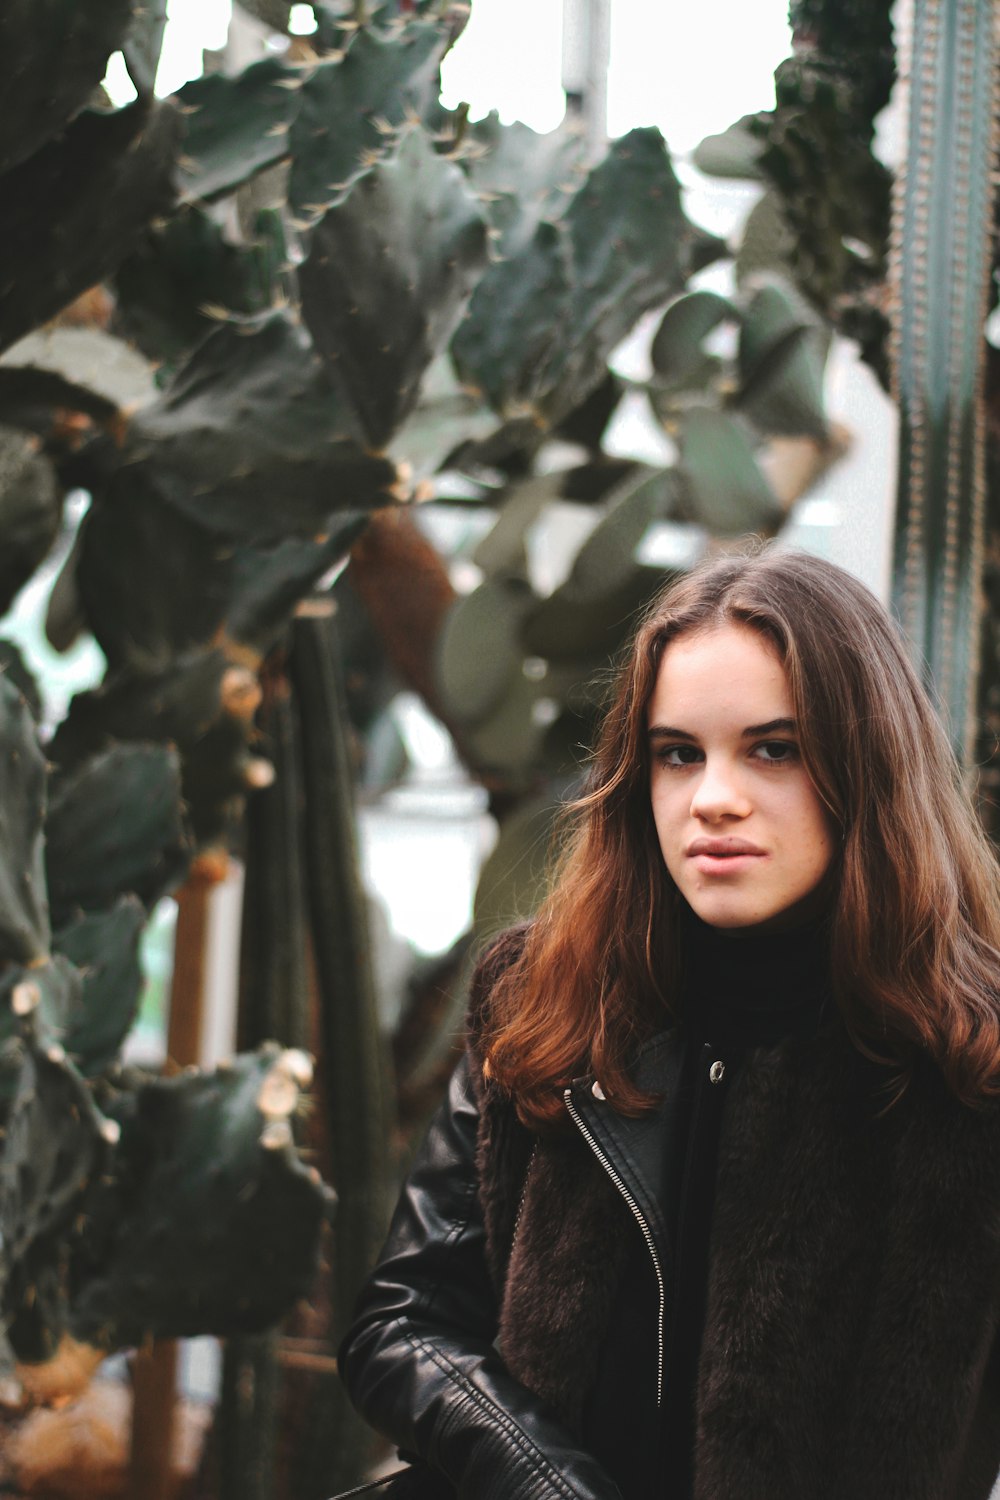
{"points": [[740, 991]]}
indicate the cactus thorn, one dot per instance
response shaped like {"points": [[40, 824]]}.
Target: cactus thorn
{"points": [[299, 1065], [56, 1053], [24, 997], [279, 1092], [276, 1135], [240, 693], [258, 774], [111, 1131]]}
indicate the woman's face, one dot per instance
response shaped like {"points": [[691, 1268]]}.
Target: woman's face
{"points": [[741, 826]]}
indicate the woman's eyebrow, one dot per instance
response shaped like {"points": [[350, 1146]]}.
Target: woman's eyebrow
{"points": [[788, 725], [668, 732]]}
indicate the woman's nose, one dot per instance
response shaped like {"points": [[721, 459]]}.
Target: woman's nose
{"points": [[719, 793]]}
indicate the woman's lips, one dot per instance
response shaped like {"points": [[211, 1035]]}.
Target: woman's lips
{"points": [[723, 848], [723, 856]]}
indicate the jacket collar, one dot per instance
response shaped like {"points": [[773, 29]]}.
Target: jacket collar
{"points": [[637, 1148]]}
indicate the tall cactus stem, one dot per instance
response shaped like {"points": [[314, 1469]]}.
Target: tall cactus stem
{"points": [[353, 1062], [942, 229], [273, 1005]]}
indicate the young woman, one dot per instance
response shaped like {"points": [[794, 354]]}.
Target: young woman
{"points": [[713, 1206]]}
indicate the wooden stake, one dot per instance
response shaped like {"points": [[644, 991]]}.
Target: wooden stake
{"points": [[154, 1406]]}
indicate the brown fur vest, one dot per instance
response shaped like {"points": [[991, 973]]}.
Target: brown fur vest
{"points": [[850, 1348]]}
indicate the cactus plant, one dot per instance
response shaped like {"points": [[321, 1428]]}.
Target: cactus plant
{"points": [[389, 273]]}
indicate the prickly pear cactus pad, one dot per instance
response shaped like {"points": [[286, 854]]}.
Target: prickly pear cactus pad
{"points": [[30, 510], [235, 127], [390, 271], [523, 177], [56, 1143], [45, 998], [24, 915], [249, 419], [350, 108], [114, 825], [121, 161], [580, 283], [209, 1221], [52, 57], [103, 950]]}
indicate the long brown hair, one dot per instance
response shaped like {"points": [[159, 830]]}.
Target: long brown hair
{"points": [[915, 925]]}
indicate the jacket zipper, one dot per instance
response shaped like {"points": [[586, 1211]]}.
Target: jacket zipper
{"points": [[640, 1219], [520, 1206]]}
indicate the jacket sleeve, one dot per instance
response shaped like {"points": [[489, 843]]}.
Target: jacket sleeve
{"points": [[419, 1361]]}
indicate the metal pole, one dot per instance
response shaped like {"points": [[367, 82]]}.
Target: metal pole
{"points": [[586, 53]]}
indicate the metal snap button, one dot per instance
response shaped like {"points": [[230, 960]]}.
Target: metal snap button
{"points": [[717, 1072], [596, 1090]]}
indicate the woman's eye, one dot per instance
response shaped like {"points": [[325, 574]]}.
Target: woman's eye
{"points": [[679, 755], [776, 751]]}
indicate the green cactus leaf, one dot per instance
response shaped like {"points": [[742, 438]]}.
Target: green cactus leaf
{"points": [[53, 1148], [509, 741], [142, 613], [109, 174], [517, 324], [268, 584], [352, 108], [40, 1002], [52, 57], [179, 703], [390, 270], [24, 916], [782, 358], [767, 243], [578, 287], [210, 1222], [184, 269], [733, 153], [30, 511], [235, 127], [114, 826], [144, 44], [120, 162], [103, 948], [522, 176], [677, 351], [591, 613], [726, 489], [251, 418], [29, 397], [274, 13], [502, 550], [446, 416], [16, 670], [479, 654], [83, 369]]}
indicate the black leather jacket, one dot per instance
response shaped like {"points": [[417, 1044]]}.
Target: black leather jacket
{"points": [[420, 1362]]}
